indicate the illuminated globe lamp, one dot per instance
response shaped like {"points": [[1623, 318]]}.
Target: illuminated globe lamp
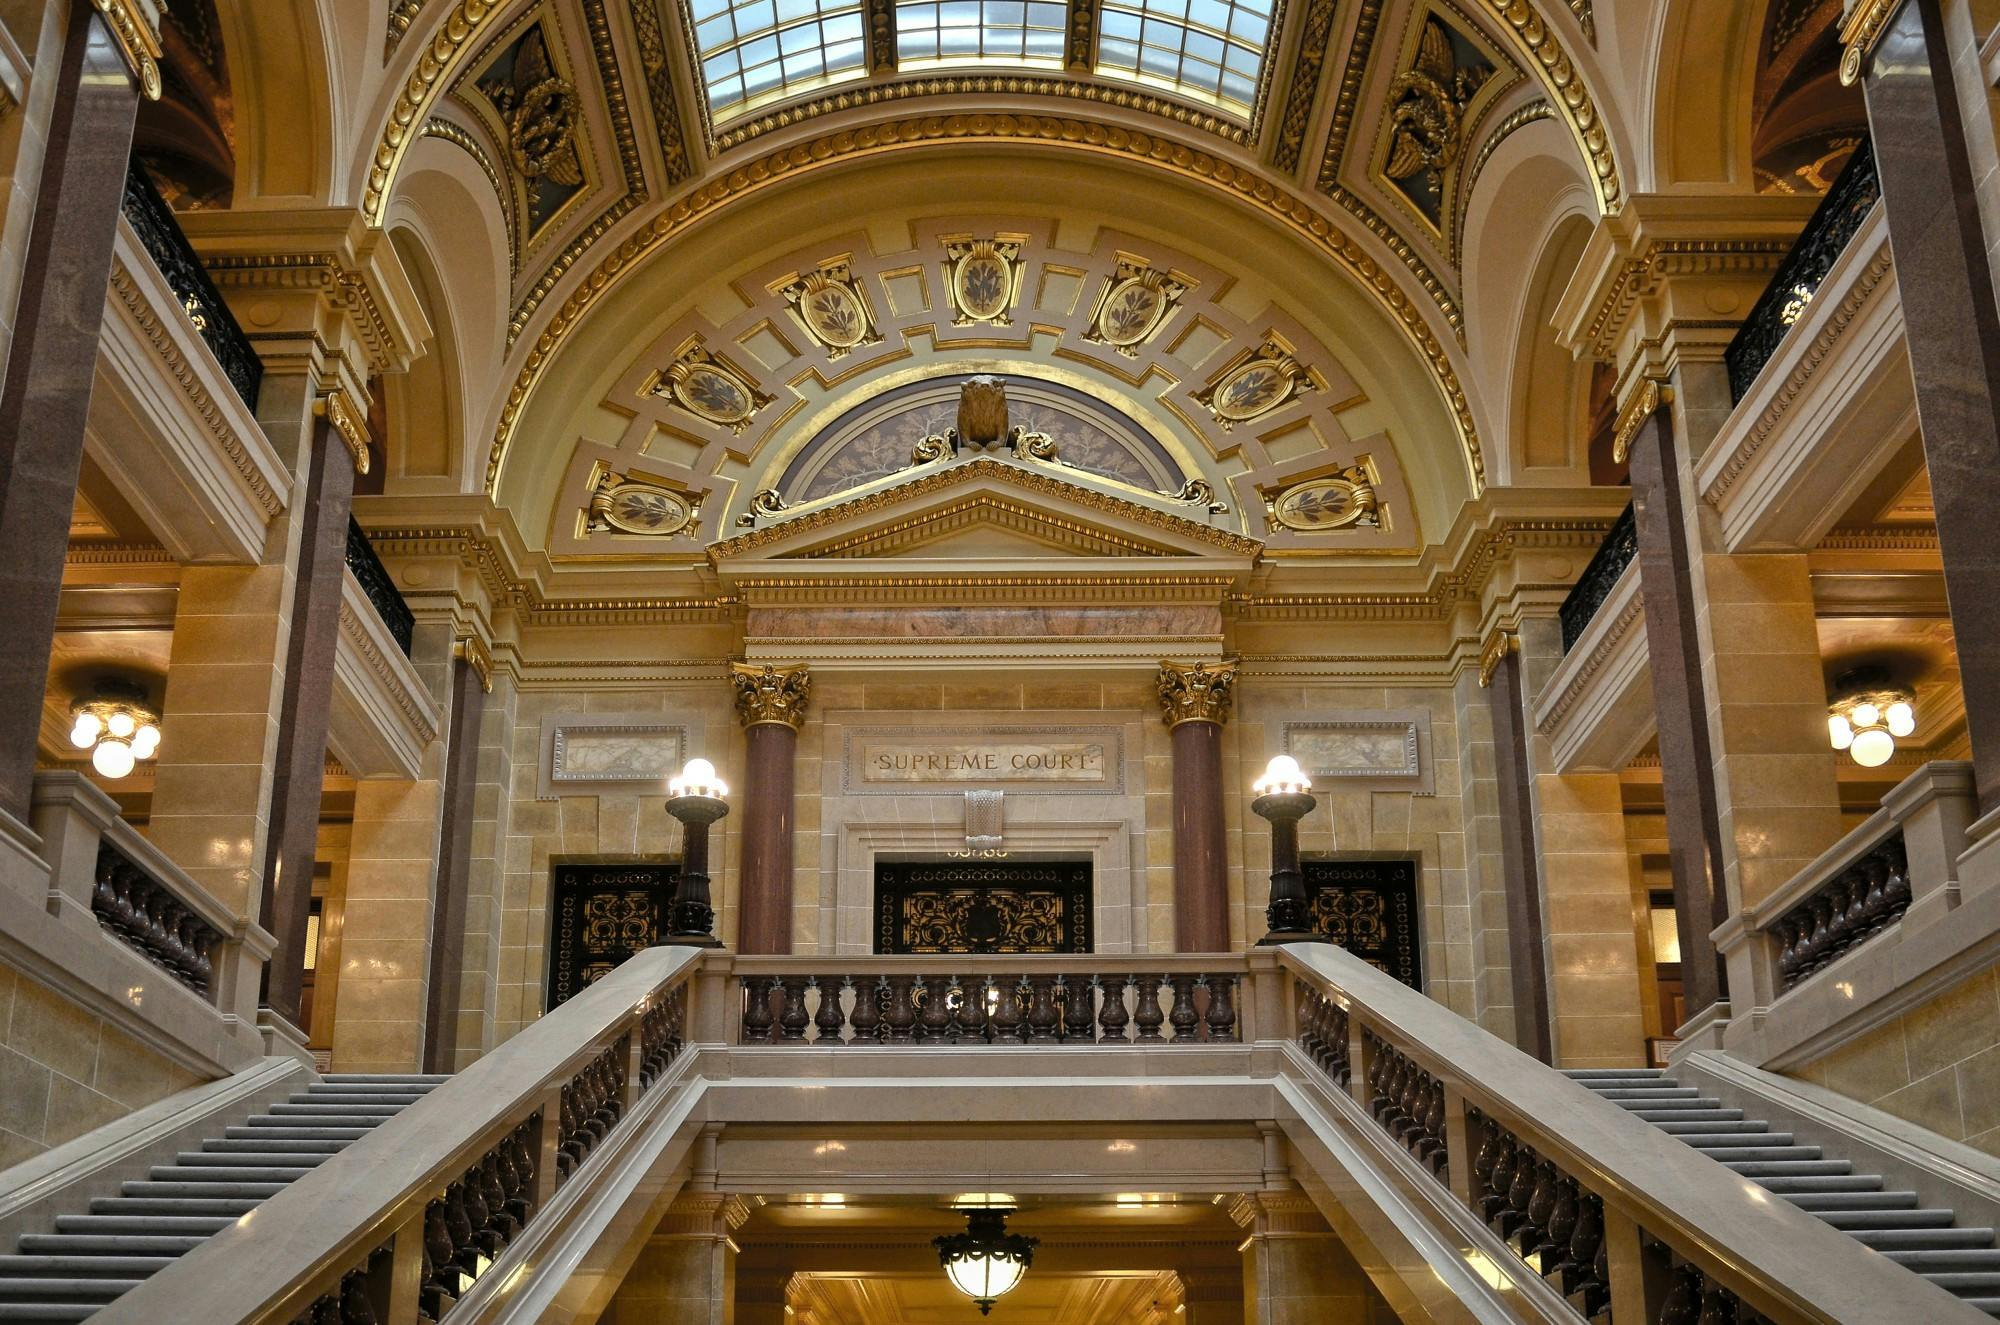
{"points": [[117, 725], [1284, 796], [697, 797], [985, 1261], [1869, 717]]}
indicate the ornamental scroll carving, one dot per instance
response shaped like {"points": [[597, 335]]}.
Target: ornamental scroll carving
{"points": [[1138, 299], [770, 694], [709, 387], [1256, 382], [622, 504], [1196, 692], [831, 307]]}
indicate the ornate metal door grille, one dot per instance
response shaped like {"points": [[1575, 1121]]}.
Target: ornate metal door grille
{"points": [[1369, 907], [601, 913], [982, 906]]}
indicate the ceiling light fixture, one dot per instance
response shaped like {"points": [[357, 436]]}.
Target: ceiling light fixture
{"points": [[117, 725], [1869, 716], [985, 1261]]}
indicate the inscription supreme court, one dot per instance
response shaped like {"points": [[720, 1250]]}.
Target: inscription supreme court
{"points": [[1074, 759]]}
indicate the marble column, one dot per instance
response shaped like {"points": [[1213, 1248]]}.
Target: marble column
{"points": [[1527, 953], [471, 674], [50, 367], [1943, 268], [771, 703], [322, 502], [1195, 700], [1687, 758]]}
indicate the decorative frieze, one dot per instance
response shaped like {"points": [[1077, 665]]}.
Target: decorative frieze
{"points": [[586, 753]]}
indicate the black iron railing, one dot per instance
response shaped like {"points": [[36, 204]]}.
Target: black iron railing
{"points": [[381, 590], [153, 221], [1819, 246], [1620, 545]]}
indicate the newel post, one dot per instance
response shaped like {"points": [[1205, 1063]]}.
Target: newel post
{"points": [[406, 1270]]}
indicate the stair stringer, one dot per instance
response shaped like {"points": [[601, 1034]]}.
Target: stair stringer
{"points": [[1941, 1171]]}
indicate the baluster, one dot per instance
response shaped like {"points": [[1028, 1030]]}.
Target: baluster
{"points": [[324, 1311], [792, 1022], [464, 1249], [1501, 1178], [1789, 956], [1042, 1013], [1111, 1014], [1078, 1016], [1683, 1301], [441, 1280], [472, 1197], [1183, 1018], [493, 1191], [757, 1020], [1718, 1306], [1222, 1009], [1552, 1252], [866, 1017], [1584, 1271], [830, 1018], [1527, 1170], [1541, 1204], [1337, 1063], [1897, 887], [1146, 999], [1310, 1025], [972, 1010], [1007, 1012], [355, 1307], [937, 1011], [901, 1019], [1431, 1150]]}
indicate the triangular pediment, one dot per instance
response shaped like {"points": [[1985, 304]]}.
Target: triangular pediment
{"points": [[986, 510]]}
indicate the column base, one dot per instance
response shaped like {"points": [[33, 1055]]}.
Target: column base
{"points": [[282, 1039]]}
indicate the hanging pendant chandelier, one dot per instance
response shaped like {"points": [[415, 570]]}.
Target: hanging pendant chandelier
{"points": [[117, 725], [985, 1261], [1869, 716]]}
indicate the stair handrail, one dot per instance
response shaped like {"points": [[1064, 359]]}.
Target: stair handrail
{"points": [[1673, 1221], [353, 1235]]}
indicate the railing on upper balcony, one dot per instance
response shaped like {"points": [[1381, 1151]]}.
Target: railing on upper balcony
{"points": [[160, 234], [1614, 554], [1819, 246], [147, 911], [969, 1001], [380, 589]]}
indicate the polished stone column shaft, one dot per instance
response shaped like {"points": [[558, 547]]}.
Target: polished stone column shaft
{"points": [[1687, 758], [1942, 268], [323, 502], [771, 702], [50, 367], [448, 901], [1196, 699], [1527, 951]]}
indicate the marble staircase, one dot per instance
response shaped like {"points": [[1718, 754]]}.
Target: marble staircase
{"points": [[92, 1258], [1964, 1261]]}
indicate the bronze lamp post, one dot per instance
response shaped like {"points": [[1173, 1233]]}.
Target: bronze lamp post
{"points": [[697, 798], [1284, 796]]}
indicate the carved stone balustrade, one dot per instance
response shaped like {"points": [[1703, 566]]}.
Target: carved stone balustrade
{"points": [[1854, 910], [972, 1000]]}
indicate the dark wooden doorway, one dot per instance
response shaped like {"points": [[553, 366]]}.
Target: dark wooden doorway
{"points": [[1369, 907], [999, 906], [600, 913]]}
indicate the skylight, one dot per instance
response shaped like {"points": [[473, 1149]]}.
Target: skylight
{"points": [[1209, 49], [971, 31], [757, 50]]}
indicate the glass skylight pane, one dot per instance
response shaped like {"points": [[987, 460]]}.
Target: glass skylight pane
{"points": [[981, 31], [1211, 49], [753, 50]]}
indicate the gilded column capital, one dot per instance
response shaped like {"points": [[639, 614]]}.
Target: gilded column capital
{"points": [[1196, 692], [1863, 27], [134, 27], [346, 419], [767, 693], [472, 651], [1494, 652], [1648, 398]]}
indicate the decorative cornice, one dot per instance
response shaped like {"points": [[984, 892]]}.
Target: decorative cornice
{"points": [[415, 97], [1880, 538], [183, 372], [136, 41], [1858, 35], [1857, 298], [344, 289], [1494, 652], [1565, 83], [1647, 399], [473, 653], [1643, 274], [767, 694], [1114, 140], [96, 553], [1009, 84], [985, 467], [341, 414], [1196, 692]]}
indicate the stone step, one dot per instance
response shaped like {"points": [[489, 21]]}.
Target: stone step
{"points": [[1688, 1115], [333, 1109], [45, 1313], [174, 1205], [1659, 1091], [1733, 1155], [1602, 1073], [1829, 1202], [261, 1157], [205, 1225], [346, 1122], [376, 1100], [1925, 1239], [260, 1190], [1792, 1168], [1989, 1305], [194, 1173], [266, 1144], [71, 1267], [1967, 1283], [1686, 1127], [1871, 1221], [339, 1135], [395, 1078], [1708, 1142], [1846, 1182], [1688, 1103], [1956, 1260], [107, 1244], [53, 1291]]}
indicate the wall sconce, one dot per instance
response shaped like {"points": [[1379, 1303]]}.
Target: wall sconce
{"points": [[117, 725], [697, 798], [1869, 716]]}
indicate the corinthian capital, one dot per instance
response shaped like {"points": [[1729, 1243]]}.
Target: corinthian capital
{"points": [[765, 693], [1196, 692]]}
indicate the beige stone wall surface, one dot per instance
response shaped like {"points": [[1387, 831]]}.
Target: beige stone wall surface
{"points": [[1937, 1065], [65, 1070]]}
